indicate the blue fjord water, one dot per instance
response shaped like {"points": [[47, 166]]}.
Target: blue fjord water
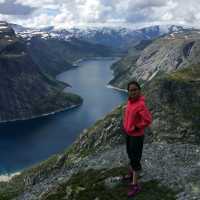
{"points": [[25, 143]]}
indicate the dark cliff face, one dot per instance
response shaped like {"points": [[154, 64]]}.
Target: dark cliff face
{"points": [[174, 100], [26, 92], [24, 89]]}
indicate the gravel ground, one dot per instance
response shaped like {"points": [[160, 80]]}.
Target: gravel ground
{"points": [[174, 165]]}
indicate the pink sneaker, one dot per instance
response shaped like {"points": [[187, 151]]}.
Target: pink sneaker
{"points": [[133, 190]]}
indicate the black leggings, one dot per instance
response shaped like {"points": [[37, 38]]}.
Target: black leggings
{"points": [[134, 146]]}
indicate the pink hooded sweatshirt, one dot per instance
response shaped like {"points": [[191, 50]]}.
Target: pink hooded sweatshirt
{"points": [[136, 117]]}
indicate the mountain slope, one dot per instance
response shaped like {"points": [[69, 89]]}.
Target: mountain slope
{"points": [[120, 39], [27, 66], [169, 70], [163, 55], [92, 166], [21, 79], [171, 151], [55, 56]]}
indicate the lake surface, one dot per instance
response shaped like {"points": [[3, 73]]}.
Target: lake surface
{"points": [[25, 143]]}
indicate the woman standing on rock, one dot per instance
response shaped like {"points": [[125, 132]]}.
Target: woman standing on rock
{"points": [[136, 118]]}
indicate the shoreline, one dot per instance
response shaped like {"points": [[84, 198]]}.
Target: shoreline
{"points": [[41, 116], [116, 88], [45, 114], [7, 177], [95, 58], [70, 107]]}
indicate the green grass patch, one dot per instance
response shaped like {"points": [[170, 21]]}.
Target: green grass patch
{"points": [[90, 185], [189, 73], [8, 191]]}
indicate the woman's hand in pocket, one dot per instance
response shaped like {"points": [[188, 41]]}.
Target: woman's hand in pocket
{"points": [[135, 128]]}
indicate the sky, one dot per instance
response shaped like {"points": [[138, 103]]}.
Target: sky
{"points": [[76, 13]]}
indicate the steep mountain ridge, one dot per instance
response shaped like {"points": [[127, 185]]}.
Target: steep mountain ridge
{"points": [[28, 66], [55, 56], [118, 38], [169, 70], [163, 55], [21, 79]]}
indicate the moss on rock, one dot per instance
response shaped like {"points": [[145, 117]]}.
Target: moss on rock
{"points": [[90, 185], [190, 73]]}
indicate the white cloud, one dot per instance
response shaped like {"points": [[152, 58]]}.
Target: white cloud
{"points": [[63, 13]]}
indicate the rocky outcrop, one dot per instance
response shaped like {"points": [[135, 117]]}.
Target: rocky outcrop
{"points": [[169, 172], [174, 100], [164, 55], [170, 169], [169, 70], [173, 91]]}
